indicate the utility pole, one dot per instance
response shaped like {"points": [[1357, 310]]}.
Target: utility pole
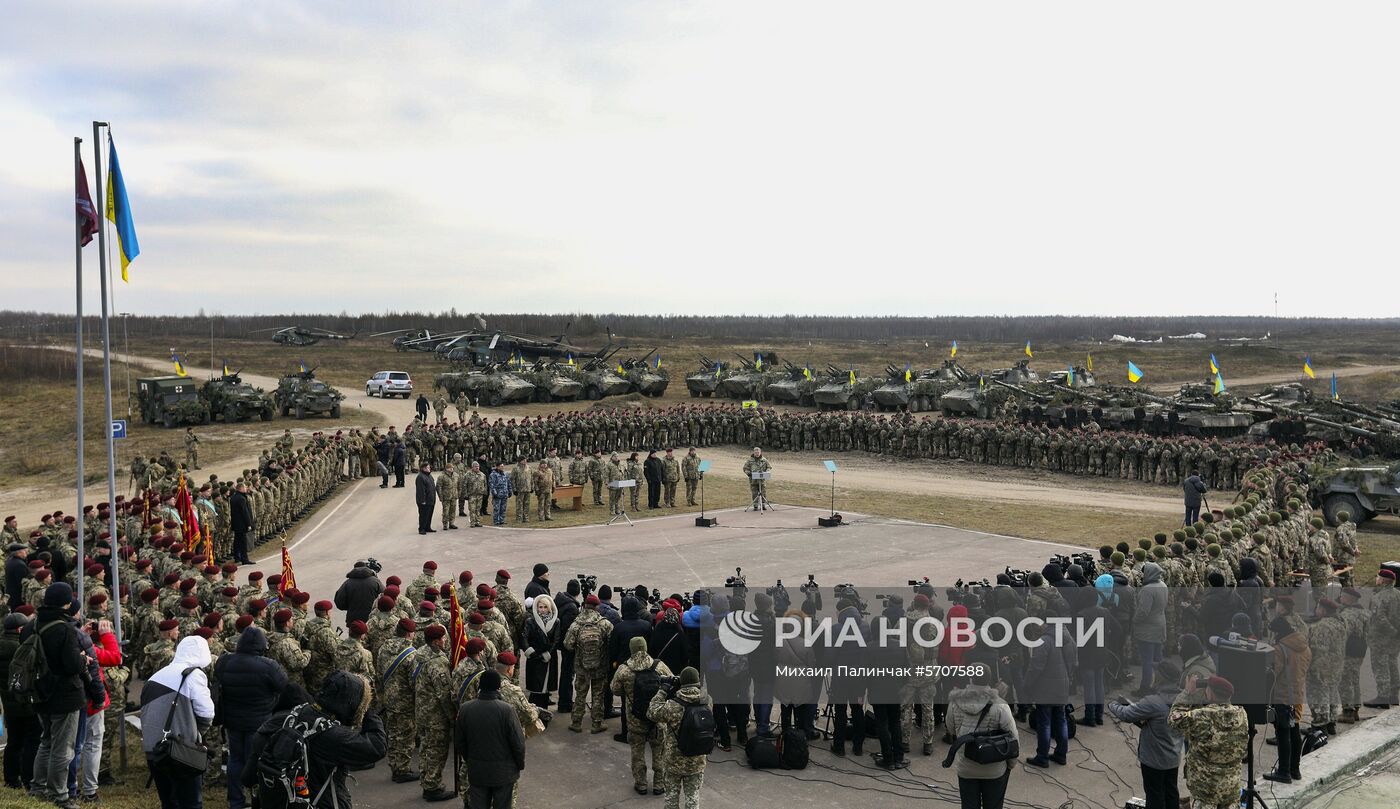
{"points": [[126, 349]]}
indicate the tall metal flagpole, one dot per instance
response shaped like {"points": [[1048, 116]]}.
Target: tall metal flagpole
{"points": [[107, 390], [78, 241]]}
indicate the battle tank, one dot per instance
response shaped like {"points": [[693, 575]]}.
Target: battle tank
{"points": [[646, 379], [553, 382], [303, 394], [844, 390], [704, 382], [794, 389], [492, 386], [235, 400], [1300, 417], [914, 391]]}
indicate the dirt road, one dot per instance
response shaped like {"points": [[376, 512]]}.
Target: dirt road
{"points": [[1279, 379]]}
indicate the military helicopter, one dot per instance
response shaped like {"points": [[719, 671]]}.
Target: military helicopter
{"points": [[302, 336], [482, 346]]}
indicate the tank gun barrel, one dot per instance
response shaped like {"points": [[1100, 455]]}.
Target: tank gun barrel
{"points": [[1098, 400], [1311, 419], [1039, 397], [1379, 416]]}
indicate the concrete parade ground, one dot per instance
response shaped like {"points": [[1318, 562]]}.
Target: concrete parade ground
{"points": [[674, 555]]}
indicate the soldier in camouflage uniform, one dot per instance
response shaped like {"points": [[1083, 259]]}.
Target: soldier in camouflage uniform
{"points": [[1383, 640], [352, 656], [510, 608], [426, 579], [919, 689], [1327, 639], [684, 774], [473, 489], [1344, 547], [543, 484], [1217, 735], [158, 654], [395, 665], [521, 480], [434, 709], [320, 638], [690, 471], [641, 733], [283, 647], [587, 638], [1354, 619], [447, 495]]}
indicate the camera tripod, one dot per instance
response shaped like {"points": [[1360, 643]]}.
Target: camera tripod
{"points": [[1252, 798]]}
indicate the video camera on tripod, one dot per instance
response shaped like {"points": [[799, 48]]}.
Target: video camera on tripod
{"points": [[586, 584], [1086, 562], [967, 593], [738, 586], [781, 600], [848, 592]]}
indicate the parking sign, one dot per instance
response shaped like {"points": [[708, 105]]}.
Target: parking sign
{"points": [[119, 428]]}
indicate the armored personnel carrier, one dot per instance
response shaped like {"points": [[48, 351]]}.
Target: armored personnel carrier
{"points": [[235, 400], [704, 382], [303, 394], [1364, 492], [553, 382], [646, 379], [794, 389], [170, 400], [915, 391], [492, 386], [844, 390]]}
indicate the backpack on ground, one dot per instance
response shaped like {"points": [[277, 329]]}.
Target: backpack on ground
{"points": [[30, 678], [786, 751], [284, 768], [589, 649], [763, 753], [695, 736], [793, 749]]}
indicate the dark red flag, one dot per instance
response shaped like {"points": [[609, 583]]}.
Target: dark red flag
{"points": [[87, 212]]}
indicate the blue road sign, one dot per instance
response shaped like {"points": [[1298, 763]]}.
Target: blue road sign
{"points": [[830, 466], [703, 467], [119, 428]]}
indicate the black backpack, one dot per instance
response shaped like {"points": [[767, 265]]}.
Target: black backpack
{"points": [[284, 767], [645, 684], [30, 679], [792, 749], [788, 751], [695, 736]]}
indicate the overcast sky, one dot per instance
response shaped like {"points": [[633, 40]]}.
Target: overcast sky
{"points": [[714, 157]]}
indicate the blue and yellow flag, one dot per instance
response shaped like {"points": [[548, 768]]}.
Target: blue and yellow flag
{"points": [[981, 381], [807, 372], [1069, 380], [1089, 363], [1214, 366], [658, 362], [718, 367], [853, 376], [1307, 367], [1219, 384], [758, 362], [1028, 349], [1134, 372], [953, 352], [179, 365], [620, 372], [570, 358], [119, 210], [226, 370], [908, 373], [301, 366], [1335, 395]]}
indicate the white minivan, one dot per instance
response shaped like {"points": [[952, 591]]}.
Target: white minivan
{"points": [[390, 383]]}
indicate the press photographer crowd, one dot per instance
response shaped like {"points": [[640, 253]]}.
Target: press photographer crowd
{"points": [[251, 685]]}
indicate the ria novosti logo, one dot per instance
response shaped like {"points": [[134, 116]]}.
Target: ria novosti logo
{"points": [[740, 632]]}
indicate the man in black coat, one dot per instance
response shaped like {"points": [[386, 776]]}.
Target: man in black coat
{"points": [[400, 459], [357, 743], [489, 737], [241, 521], [1194, 488], [539, 585], [421, 408], [634, 624], [16, 571], [358, 593], [385, 452], [250, 685], [566, 607], [653, 472], [425, 494], [65, 691]]}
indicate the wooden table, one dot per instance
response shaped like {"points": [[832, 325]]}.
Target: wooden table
{"points": [[574, 491]]}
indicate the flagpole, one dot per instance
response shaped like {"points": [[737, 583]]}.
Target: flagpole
{"points": [[107, 391], [78, 241]]}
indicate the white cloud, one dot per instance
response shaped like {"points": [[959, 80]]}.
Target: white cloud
{"points": [[806, 157]]}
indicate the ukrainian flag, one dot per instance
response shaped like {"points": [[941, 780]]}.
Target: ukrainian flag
{"points": [[179, 365], [981, 381], [853, 376], [908, 373], [1134, 372], [1069, 380], [1214, 366], [718, 367], [952, 354], [119, 210], [1307, 367], [1219, 384], [1335, 395], [1028, 349], [658, 362], [301, 365], [570, 358], [807, 372], [226, 371]]}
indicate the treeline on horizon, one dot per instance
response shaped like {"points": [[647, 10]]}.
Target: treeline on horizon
{"points": [[16, 325]]}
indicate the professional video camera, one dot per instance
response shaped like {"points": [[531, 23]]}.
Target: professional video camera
{"points": [[968, 594], [922, 587], [373, 564], [1086, 562], [738, 588], [891, 600], [811, 590], [848, 592], [781, 600], [1019, 578], [586, 584]]}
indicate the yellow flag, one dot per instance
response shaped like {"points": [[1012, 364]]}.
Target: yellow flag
{"points": [[853, 376], [1089, 363], [1028, 349], [1307, 367]]}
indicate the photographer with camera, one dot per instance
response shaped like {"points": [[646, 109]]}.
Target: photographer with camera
{"points": [[1216, 736], [566, 606], [359, 591], [1159, 745], [847, 693], [977, 709]]}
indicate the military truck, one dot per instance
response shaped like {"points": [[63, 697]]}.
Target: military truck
{"points": [[492, 386], [1362, 491], [235, 400], [839, 392], [302, 393], [170, 400], [704, 382], [553, 382]]}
